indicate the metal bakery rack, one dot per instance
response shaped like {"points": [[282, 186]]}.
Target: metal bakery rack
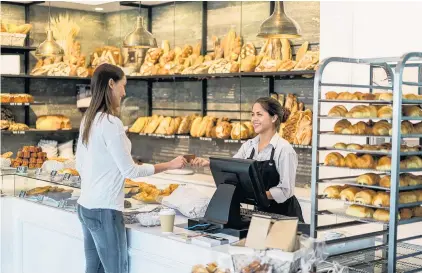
{"points": [[387, 253]]}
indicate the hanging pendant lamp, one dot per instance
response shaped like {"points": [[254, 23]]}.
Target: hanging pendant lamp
{"points": [[140, 37], [279, 25], [49, 48]]}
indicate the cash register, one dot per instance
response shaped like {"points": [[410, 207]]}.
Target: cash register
{"points": [[238, 182]]}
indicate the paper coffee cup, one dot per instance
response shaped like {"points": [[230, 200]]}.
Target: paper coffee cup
{"points": [[167, 220]]}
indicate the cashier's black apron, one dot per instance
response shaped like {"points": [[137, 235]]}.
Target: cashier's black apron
{"points": [[271, 178]]}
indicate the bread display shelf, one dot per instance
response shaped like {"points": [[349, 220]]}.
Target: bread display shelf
{"points": [[350, 118], [323, 197], [371, 101], [372, 170], [331, 133], [348, 181], [16, 49], [191, 77], [368, 151], [57, 180], [22, 103], [35, 131], [342, 213]]}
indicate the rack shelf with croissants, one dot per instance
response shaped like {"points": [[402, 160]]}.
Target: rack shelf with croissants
{"points": [[374, 181]]}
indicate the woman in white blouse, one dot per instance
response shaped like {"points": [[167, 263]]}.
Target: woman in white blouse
{"points": [[104, 160], [277, 160]]}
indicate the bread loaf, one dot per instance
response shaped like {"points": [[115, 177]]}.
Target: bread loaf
{"points": [[412, 180], [251, 130], [195, 128], [413, 162], [302, 51], [208, 123], [407, 197], [418, 194], [347, 96], [223, 130], [239, 131], [138, 125], [385, 112], [417, 128], [417, 211], [412, 111], [338, 111], [384, 164], [341, 125], [381, 128], [371, 179], [362, 111], [185, 125], [333, 192], [349, 193], [334, 159], [351, 161], [53, 122], [366, 162], [382, 215], [406, 128], [359, 211], [360, 128], [386, 181], [382, 199], [384, 96], [365, 197]]}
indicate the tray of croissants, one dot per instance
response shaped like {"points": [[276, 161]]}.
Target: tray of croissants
{"points": [[371, 162], [370, 204]]}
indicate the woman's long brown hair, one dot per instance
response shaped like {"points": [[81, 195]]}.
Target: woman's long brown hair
{"points": [[102, 98]]}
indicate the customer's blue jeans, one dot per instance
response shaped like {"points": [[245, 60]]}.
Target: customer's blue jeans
{"points": [[105, 240]]}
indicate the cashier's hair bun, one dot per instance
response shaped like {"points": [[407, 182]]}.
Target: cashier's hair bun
{"points": [[274, 108]]}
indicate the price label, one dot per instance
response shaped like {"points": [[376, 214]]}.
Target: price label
{"points": [[183, 137], [205, 139], [66, 177], [22, 170], [53, 174], [38, 171], [18, 132]]}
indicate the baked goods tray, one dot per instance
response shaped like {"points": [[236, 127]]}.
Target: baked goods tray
{"points": [[322, 197], [331, 133], [347, 168], [348, 181], [374, 152], [371, 101], [370, 260], [342, 213]]}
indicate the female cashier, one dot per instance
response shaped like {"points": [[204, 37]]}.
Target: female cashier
{"points": [[277, 160]]}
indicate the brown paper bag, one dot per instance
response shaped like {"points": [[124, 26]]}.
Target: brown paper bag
{"points": [[282, 235], [258, 231]]}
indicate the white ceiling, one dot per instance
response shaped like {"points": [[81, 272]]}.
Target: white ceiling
{"points": [[107, 6]]}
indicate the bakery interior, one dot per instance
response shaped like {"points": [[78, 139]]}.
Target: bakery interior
{"points": [[354, 96]]}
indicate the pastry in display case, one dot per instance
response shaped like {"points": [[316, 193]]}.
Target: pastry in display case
{"points": [[53, 122]]}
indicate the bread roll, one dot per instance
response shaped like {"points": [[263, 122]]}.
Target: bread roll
{"points": [[341, 125], [381, 128], [418, 194], [223, 130], [333, 192], [371, 179], [412, 111], [362, 111], [239, 131], [384, 164], [365, 197], [251, 130], [331, 95], [359, 211], [360, 128], [412, 180], [353, 146], [407, 197], [386, 181], [414, 162], [385, 112], [340, 145], [417, 211], [195, 128], [384, 96], [349, 193], [338, 111], [382, 199], [351, 161], [365, 96], [347, 96], [382, 215], [334, 159], [365, 162]]}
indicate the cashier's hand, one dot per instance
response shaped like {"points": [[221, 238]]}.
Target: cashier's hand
{"points": [[178, 163], [200, 162]]}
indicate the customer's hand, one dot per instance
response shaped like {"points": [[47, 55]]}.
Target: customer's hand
{"points": [[178, 163], [200, 162]]}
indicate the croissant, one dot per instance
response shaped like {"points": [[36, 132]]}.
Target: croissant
{"points": [[338, 111], [385, 147], [384, 96], [386, 181], [365, 162], [412, 180], [359, 211], [412, 111], [333, 192], [361, 128], [381, 128], [365, 197], [334, 159], [414, 162], [331, 95], [410, 97], [405, 128], [351, 161], [362, 111], [341, 125], [347, 96], [385, 112], [384, 164], [340, 145], [348, 194], [371, 179], [417, 128]]}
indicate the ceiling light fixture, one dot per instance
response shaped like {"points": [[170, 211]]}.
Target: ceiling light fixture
{"points": [[49, 48], [279, 25], [140, 37]]}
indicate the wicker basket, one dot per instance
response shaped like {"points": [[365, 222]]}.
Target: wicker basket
{"points": [[12, 39]]}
